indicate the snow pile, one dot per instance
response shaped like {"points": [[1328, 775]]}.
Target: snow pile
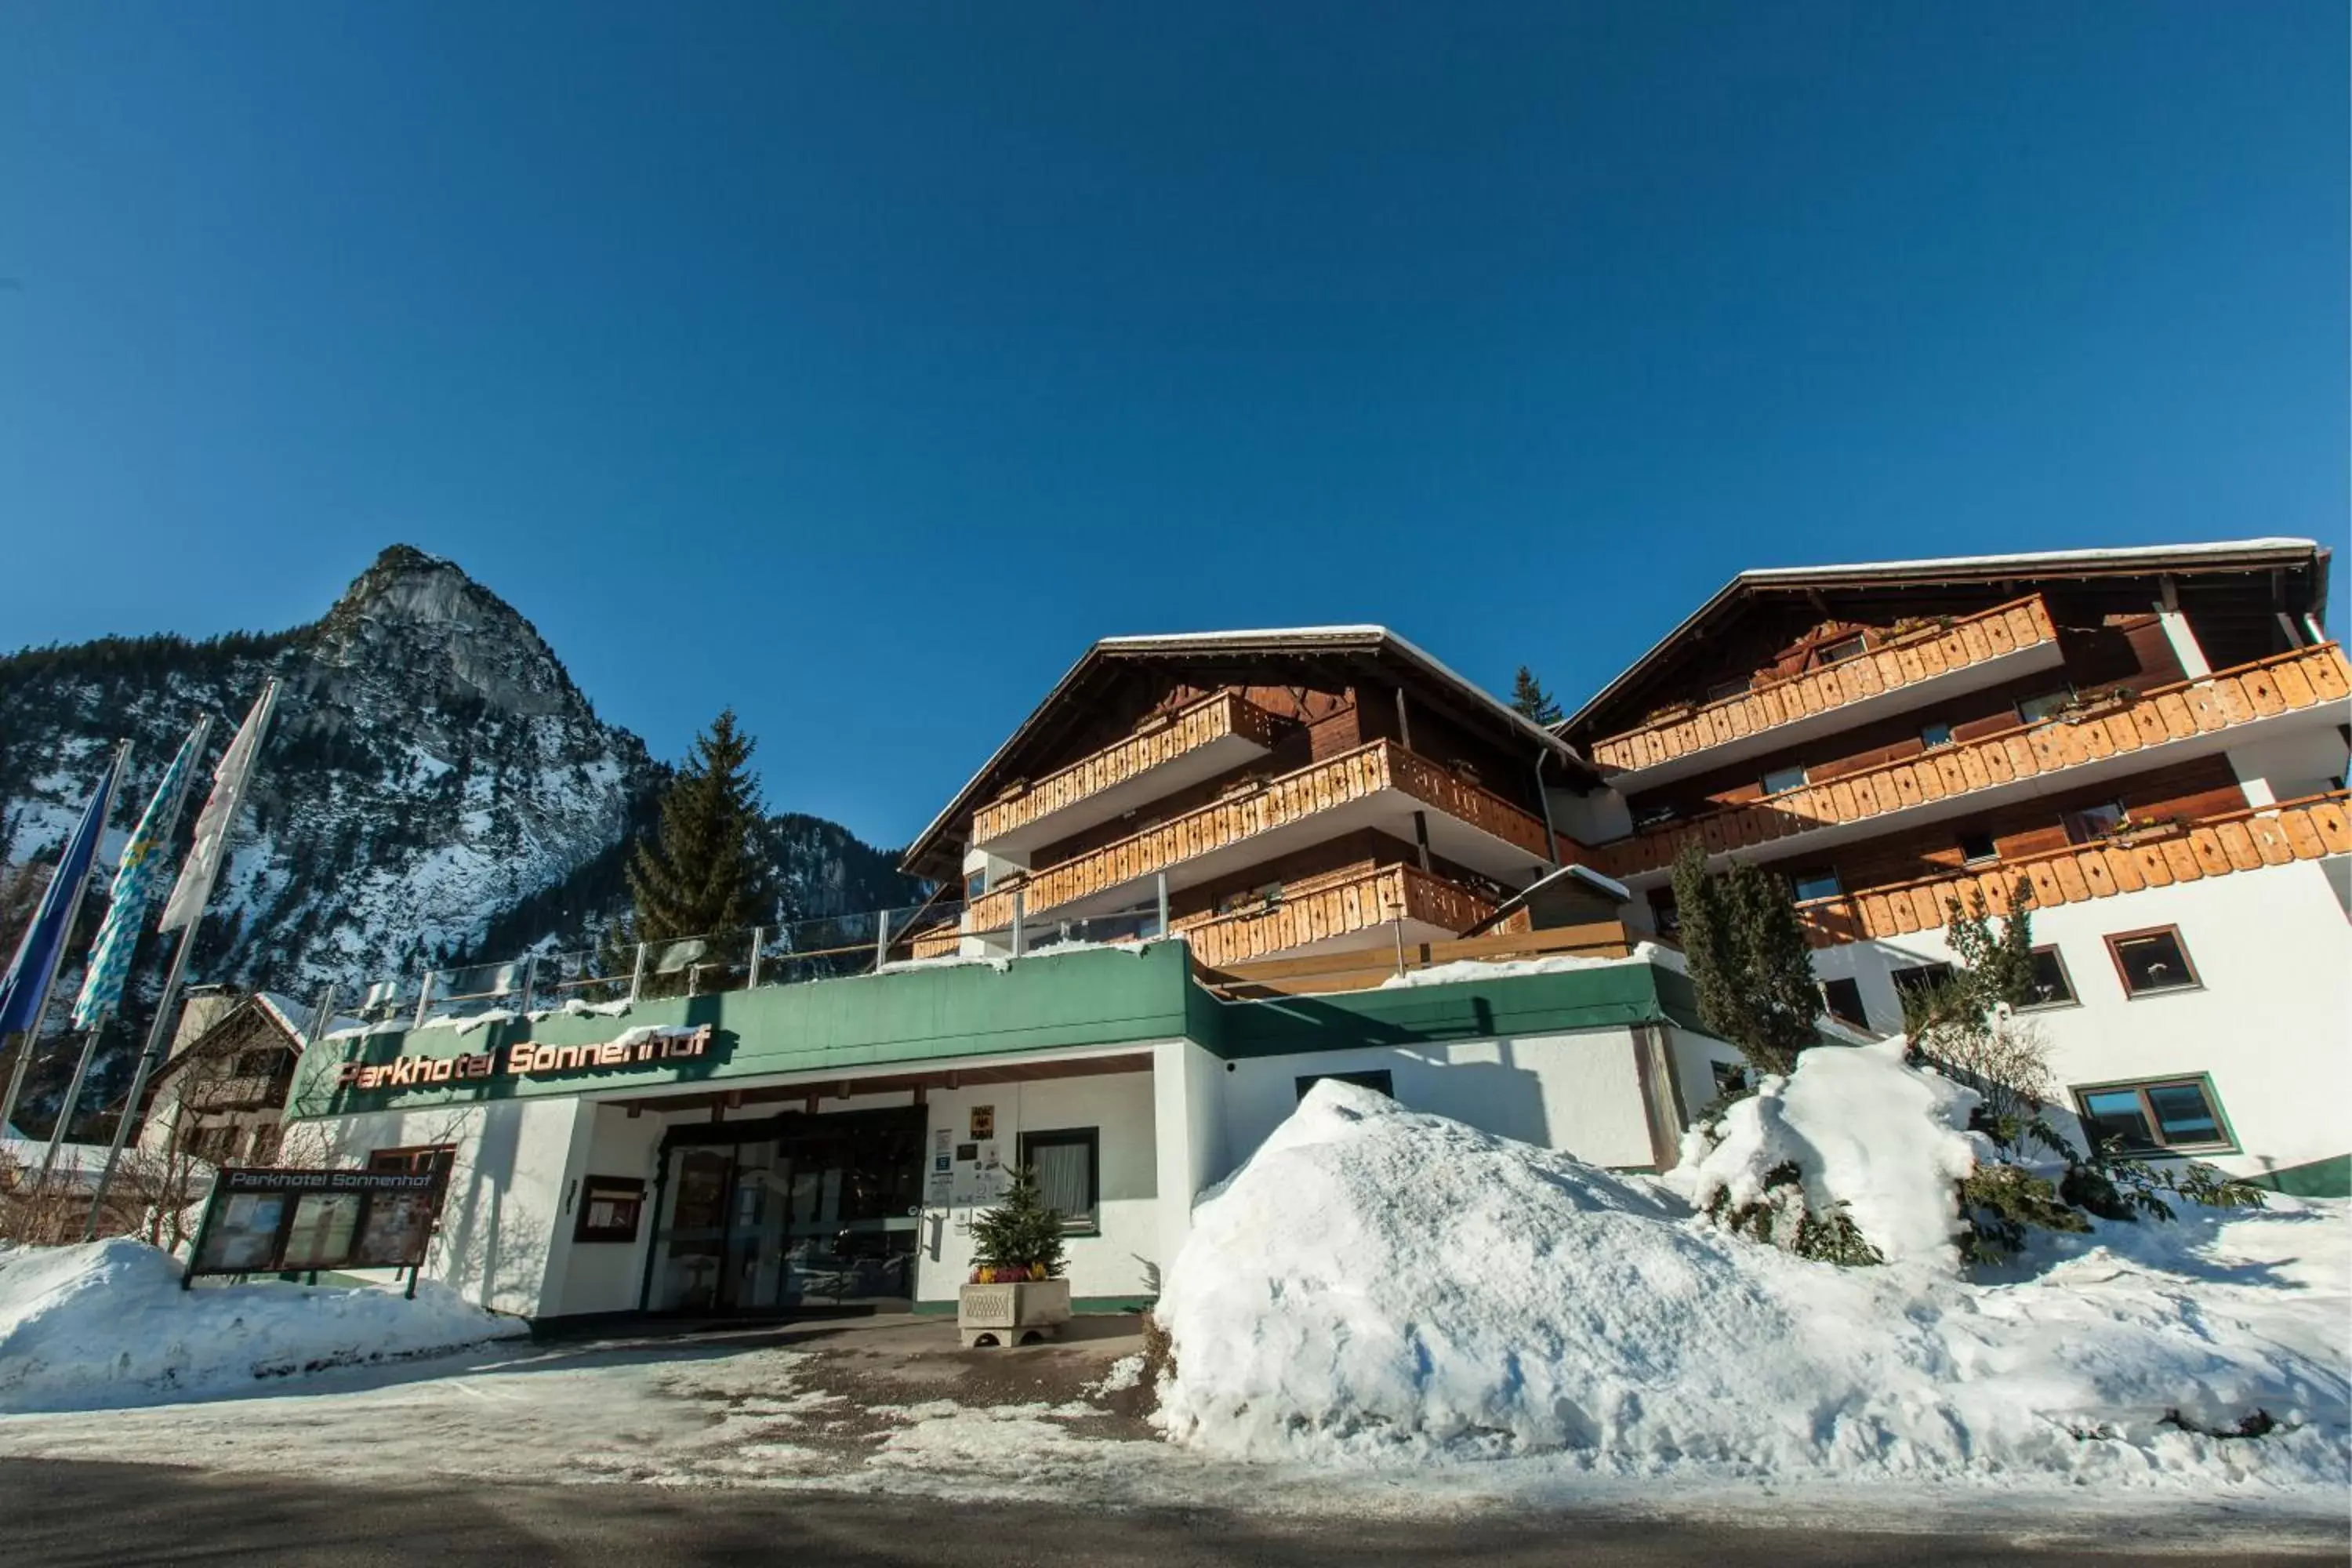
{"points": [[1378, 1285], [1863, 1130], [108, 1324], [1463, 970]]}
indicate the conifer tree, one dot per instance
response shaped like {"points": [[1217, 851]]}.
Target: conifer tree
{"points": [[1530, 700], [1022, 1233], [1747, 959], [700, 871]]}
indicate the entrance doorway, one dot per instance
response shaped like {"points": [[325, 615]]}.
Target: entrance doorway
{"points": [[789, 1212]]}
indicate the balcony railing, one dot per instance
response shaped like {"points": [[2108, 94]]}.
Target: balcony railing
{"points": [[2157, 856], [1367, 770], [250, 1093], [1906, 658], [1189, 731], [1340, 904], [2264, 689]]}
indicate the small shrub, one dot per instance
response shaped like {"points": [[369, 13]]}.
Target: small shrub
{"points": [[1781, 1218]]}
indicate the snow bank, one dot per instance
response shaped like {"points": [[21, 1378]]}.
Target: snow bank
{"points": [[1379, 1285], [107, 1324], [1886, 1139]]}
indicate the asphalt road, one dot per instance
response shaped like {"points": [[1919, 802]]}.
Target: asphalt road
{"points": [[62, 1515]]}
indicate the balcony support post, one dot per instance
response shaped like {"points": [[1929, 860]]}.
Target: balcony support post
{"points": [[638, 974], [751, 979], [1018, 896], [1160, 880], [881, 941], [423, 998], [1420, 836]]}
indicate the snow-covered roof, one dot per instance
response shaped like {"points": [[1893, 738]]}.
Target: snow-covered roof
{"points": [[2211, 555]]}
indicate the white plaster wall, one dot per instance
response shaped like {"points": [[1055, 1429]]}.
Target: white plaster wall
{"points": [[1189, 1112], [606, 1276], [1578, 1092], [2275, 954], [499, 1223], [2303, 762], [1693, 1057], [1591, 818], [1124, 1259]]}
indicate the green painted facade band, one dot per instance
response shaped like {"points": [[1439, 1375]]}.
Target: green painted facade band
{"points": [[1098, 997], [2330, 1178]]}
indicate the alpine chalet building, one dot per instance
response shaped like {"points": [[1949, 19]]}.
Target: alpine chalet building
{"points": [[2153, 740]]}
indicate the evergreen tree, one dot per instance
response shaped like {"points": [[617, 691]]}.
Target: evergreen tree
{"points": [[1747, 958], [1023, 1233], [701, 870], [1530, 700]]}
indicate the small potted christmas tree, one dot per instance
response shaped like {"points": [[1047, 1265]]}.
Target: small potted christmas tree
{"points": [[1016, 1293]]}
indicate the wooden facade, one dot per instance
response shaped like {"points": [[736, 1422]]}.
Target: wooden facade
{"points": [[2279, 684], [1258, 809], [1161, 738], [1890, 661], [2154, 856], [1342, 903]]}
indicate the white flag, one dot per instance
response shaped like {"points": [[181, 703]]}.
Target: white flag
{"points": [[195, 888]]}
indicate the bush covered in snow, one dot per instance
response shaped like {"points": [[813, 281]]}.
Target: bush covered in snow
{"points": [[108, 1324], [1377, 1283]]}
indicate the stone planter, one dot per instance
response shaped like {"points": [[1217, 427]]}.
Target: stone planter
{"points": [[1013, 1314]]}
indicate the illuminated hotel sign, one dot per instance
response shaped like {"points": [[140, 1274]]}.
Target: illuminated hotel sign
{"points": [[525, 1059]]}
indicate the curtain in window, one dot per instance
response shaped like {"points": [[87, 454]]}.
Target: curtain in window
{"points": [[1062, 1177]]}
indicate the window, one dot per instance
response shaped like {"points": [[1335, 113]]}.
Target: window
{"points": [[1781, 780], [1918, 977], [1663, 917], [1376, 1079], [1841, 651], [609, 1208], [1722, 688], [1977, 849], [2143, 1117], [2153, 961], [253, 1064], [1648, 816], [1815, 882], [1067, 1165], [975, 883], [1935, 735], [1842, 999], [434, 1157], [2051, 987], [2092, 823], [2042, 705], [1730, 1077]]}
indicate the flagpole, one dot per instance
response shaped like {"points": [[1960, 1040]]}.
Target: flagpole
{"points": [[73, 913], [159, 1033], [97, 1024]]}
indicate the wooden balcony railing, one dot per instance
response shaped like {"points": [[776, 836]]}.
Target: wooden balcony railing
{"points": [[2228, 698], [1318, 787], [2151, 857], [1889, 666], [1211, 720], [1338, 904], [1364, 968], [247, 1093]]}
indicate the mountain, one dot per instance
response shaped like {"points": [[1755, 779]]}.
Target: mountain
{"points": [[435, 785]]}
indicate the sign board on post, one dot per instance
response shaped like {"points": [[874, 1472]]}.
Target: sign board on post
{"points": [[261, 1221]]}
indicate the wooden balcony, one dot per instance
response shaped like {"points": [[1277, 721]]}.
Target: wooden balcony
{"points": [[2156, 857], [1193, 743], [1331, 908], [1968, 652], [247, 1093], [1380, 785], [1362, 969], [2167, 719]]}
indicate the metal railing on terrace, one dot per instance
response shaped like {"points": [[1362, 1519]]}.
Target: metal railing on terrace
{"points": [[828, 948]]}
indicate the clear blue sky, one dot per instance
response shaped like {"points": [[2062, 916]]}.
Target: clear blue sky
{"points": [[857, 365]]}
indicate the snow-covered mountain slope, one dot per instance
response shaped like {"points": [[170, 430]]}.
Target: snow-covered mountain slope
{"points": [[435, 782]]}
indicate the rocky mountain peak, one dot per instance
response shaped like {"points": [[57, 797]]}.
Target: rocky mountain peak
{"points": [[422, 618]]}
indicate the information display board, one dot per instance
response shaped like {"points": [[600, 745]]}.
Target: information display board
{"points": [[264, 1221]]}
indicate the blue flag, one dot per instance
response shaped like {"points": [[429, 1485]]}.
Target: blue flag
{"points": [[135, 876], [23, 989]]}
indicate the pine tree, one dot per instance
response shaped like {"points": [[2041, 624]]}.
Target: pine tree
{"points": [[1747, 959], [1023, 1233], [700, 871], [1531, 701]]}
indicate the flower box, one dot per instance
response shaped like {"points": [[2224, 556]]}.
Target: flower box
{"points": [[1012, 1314]]}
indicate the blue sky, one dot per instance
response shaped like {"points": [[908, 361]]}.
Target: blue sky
{"points": [[857, 365]]}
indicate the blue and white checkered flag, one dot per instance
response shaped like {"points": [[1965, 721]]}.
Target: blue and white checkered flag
{"points": [[134, 883]]}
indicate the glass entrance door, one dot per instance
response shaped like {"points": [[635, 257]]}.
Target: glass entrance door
{"points": [[795, 1211]]}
